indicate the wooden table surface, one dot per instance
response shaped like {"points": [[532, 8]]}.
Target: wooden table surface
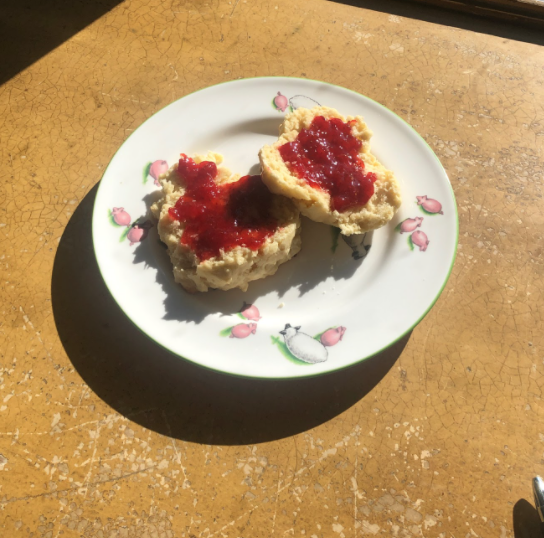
{"points": [[105, 435]]}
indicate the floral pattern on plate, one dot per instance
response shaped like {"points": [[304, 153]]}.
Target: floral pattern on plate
{"points": [[243, 330], [281, 103], [155, 169], [301, 348], [321, 289], [135, 232]]}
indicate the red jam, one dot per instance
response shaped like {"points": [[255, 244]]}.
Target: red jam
{"points": [[221, 217], [327, 157]]}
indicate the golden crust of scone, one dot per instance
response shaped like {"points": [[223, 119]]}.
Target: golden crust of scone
{"points": [[315, 203], [234, 268]]}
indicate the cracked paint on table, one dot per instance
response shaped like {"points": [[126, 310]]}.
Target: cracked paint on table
{"points": [[447, 440]]}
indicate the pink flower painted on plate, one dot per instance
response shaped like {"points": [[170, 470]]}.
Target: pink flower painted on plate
{"points": [[409, 225], [139, 232], [156, 169], [250, 312], [281, 102], [429, 205], [420, 239], [332, 336], [243, 330], [120, 216]]}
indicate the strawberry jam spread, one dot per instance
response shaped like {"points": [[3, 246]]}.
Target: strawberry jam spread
{"points": [[221, 217], [326, 155]]}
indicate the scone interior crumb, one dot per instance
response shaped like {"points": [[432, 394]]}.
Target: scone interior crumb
{"points": [[233, 267], [316, 203]]}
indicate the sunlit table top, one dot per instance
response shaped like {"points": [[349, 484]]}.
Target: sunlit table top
{"points": [[104, 434]]}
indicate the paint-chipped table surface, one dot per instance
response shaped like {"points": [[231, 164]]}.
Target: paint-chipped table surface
{"points": [[103, 434]]}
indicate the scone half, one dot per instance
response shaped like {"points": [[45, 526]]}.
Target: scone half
{"points": [[233, 267], [315, 203]]}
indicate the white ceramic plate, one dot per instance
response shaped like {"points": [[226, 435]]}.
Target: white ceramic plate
{"points": [[363, 305]]}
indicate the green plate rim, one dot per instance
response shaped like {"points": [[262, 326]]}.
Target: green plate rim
{"points": [[316, 374]]}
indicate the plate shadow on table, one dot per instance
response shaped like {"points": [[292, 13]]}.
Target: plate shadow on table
{"points": [[161, 392], [526, 521]]}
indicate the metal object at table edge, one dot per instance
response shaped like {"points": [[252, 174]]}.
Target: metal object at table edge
{"points": [[538, 490]]}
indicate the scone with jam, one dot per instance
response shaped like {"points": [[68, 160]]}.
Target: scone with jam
{"points": [[322, 161], [222, 230]]}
